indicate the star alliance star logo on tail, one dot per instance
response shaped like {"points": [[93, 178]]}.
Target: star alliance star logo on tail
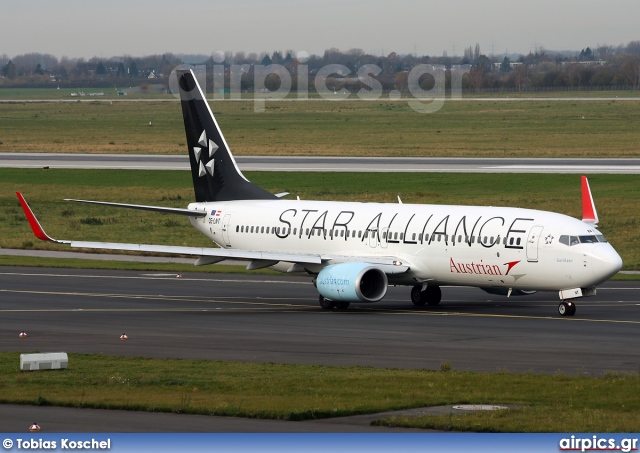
{"points": [[209, 148]]}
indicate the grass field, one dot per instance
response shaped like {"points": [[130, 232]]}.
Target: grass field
{"points": [[548, 403], [346, 128], [617, 198]]}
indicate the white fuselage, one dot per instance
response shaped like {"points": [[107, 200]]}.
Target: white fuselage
{"points": [[442, 245]]}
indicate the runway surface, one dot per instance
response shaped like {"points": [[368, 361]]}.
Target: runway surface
{"points": [[259, 318], [331, 164]]}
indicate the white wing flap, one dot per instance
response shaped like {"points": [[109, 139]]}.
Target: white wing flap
{"points": [[202, 251]]}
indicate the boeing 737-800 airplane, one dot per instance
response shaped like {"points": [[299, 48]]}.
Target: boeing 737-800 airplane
{"points": [[354, 251]]}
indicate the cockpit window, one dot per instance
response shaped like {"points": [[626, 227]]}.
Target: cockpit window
{"points": [[574, 240]]}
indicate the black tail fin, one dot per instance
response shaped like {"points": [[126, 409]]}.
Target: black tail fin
{"points": [[216, 176]]}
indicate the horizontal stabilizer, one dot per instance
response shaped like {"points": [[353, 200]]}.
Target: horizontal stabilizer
{"points": [[179, 211]]}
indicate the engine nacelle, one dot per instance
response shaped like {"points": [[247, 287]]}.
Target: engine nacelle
{"points": [[499, 291], [352, 282]]}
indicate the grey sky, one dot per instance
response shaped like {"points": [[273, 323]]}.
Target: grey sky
{"points": [[144, 27]]}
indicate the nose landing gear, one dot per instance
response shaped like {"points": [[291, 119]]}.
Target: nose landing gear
{"points": [[567, 308]]}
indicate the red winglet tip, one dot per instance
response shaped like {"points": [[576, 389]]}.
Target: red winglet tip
{"points": [[33, 222], [588, 206]]}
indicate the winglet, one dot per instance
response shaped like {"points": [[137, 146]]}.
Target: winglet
{"points": [[33, 222], [589, 213]]}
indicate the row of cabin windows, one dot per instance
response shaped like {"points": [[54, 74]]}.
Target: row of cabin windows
{"points": [[395, 236]]}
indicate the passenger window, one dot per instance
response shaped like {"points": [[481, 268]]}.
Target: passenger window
{"points": [[426, 237], [262, 230], [511, 241], [252, 229], [460, 238], [295, 231], [237, 228], [491, 240], [413, 237], [402, 236], [518, 241], [395, 236], [360, 233]]}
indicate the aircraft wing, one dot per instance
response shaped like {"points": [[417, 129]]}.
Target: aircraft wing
{"points": [[210, 255]]}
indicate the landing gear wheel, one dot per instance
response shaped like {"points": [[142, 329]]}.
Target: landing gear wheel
{"points": [[567, 308], [430, 296], [433, 295], [326, 304], [342, 305], [417, 296]]}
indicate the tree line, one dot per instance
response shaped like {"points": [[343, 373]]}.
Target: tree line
{"points": [[599, 68]]}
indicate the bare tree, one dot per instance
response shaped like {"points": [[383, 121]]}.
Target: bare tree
{"points": [[631, 70]]}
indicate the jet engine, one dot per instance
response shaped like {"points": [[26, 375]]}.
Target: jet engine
{"points": [[352, 282]]}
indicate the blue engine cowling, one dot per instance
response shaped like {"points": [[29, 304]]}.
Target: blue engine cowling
{"points": [[352, 282], [499, 291]]}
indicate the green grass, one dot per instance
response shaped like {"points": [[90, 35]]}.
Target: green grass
{"points": [[549, 403], [349, 128], [617, 198]]}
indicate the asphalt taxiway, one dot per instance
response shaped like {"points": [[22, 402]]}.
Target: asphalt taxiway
{"points": [[251, 317], [258, 318]]}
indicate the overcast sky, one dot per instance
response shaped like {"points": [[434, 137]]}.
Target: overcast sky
{"points": [[144, 27]]}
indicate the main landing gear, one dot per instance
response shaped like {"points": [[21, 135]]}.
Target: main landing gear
{"points": [[567, 308], [430, 296], [328, 304]]}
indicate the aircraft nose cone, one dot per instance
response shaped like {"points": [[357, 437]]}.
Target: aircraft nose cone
{"points": [[606, 263]]}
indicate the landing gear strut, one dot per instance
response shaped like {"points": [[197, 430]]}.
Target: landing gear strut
{"points": [[327, 304], [567, 308], [430, 296]]}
